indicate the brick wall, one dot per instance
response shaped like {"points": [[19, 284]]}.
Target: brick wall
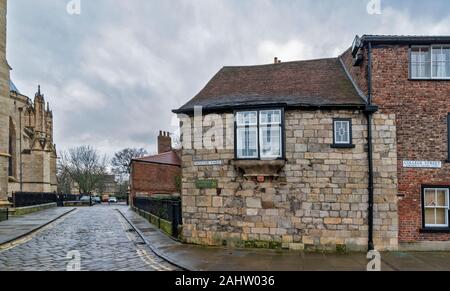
{"points": [[150, 179], [319, 201], [359, 73], [421, 109]]}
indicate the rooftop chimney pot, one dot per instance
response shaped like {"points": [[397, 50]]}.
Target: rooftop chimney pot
{"points": [[164, 142]]}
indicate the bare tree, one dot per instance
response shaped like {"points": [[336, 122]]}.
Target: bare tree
{"points": [[85, 166], [122, 160], [64, 180]]}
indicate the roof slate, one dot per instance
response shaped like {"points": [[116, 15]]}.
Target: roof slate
{"points": [[314, 83], [169, 158]]}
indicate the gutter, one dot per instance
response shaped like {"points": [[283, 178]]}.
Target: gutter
{"points": [[220, 109], [370, 110]]}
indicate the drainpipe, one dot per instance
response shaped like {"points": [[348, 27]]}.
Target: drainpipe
{"points": [[370, 110]]}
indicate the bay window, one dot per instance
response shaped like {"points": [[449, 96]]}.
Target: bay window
{"points": [[430, 62], [436, 207], [259, 134]]}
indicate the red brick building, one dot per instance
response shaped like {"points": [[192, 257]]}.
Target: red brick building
{"points": [[410, 77], [156, 175]]}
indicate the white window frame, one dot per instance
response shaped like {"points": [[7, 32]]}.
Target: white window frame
{"points": [[244, 126], [259, 136], [430, 49], [447, 207], [431, 55], [349, 129], [411, 63], [262, 126]]}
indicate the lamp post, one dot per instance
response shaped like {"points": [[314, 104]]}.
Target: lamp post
{"points": [[20, 149]]}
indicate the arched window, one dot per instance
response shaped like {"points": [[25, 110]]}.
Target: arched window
{"points": [[12, 162]]}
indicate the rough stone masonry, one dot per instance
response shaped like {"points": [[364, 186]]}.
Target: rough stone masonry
{"points": [[318, 201]]}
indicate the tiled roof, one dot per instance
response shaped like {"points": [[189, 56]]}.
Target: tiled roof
{"points": [[314, 83], [169, 158]]}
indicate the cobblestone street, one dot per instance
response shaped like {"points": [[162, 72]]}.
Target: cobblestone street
{"points": [[100, 235]]}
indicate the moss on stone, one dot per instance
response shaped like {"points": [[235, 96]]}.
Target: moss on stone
{"points": [[166, 226], [262, 244], [341, 249]]}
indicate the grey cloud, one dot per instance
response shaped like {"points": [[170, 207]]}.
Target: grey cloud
{"points": [[114, 73]]}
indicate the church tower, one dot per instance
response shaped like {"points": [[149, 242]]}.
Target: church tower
{"points": [[4, 106]]}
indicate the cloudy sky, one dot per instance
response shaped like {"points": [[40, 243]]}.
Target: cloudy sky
{"points": [[114, 73]]}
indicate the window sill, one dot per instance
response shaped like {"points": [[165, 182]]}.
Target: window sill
{"points": [[343, 146], [260, 168], [435, 230]]}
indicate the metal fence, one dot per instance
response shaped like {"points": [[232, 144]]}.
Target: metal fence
{"points": [[67, 198], [167, 209], [24, 199], [4, 214]]}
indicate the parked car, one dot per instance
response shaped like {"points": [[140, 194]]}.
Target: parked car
{"points": [[87, 199], [112, 200], [96, 200], [105, 198]]}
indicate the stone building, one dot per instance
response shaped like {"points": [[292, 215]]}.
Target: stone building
{"points": [[34, 148], [27, 153], [158, 174], [278, 156], [328, 153]]}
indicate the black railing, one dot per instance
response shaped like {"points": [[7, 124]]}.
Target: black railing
{"points": [[24, 199], [4, 214], [167, 209], [67, 198]]}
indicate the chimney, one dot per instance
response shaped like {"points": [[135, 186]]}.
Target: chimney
{"points": [[164, 142]]}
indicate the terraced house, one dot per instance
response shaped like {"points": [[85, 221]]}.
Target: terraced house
{"points": [[341, 153]]}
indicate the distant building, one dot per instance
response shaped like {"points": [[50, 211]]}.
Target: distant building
{"points": [[109, 186], [157, 175]]}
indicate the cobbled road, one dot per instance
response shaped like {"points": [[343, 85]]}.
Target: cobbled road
{"points": [[90, 239]]}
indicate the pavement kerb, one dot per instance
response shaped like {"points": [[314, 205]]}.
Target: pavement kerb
{"points": [[155, 250], [36, 228]]}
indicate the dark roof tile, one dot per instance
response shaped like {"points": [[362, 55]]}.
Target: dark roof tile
{"points": [[321, 82], [169, 158]]}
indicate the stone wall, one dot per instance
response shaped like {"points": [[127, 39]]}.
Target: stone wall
{"points": [[319, 201], [4, 105]]}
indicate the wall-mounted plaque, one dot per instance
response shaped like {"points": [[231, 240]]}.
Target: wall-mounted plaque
{"points": [[206, 184], [422, 164], [208, 163]]}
